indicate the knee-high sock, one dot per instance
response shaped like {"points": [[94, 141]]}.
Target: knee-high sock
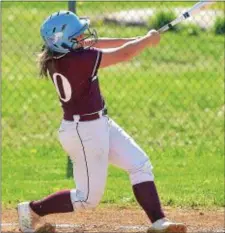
{"points": [[59, 202], [147, 197]]}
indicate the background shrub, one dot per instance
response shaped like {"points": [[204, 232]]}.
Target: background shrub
{"points": [[191, 29], [219, 26], [161, 18]]}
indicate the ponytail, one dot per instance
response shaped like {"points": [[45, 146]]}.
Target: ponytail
{"points": [[43, 58]]}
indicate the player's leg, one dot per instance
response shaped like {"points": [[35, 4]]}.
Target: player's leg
{"points": [[87, 144], [126, 154], [90, 167]]}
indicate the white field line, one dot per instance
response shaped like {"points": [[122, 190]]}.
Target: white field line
{"points": [[79, 226]]}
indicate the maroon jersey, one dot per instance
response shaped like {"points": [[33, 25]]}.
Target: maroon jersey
{"points": [[75, 78]]}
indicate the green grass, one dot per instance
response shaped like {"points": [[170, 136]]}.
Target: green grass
{"points": [[170, 99]]}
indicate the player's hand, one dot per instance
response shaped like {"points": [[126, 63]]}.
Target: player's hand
{"points": [[155, 37], [152, 31]]}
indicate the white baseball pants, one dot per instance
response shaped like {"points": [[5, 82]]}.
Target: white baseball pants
{"points": [[92, 145]]}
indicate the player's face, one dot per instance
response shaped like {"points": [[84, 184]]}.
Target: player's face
{"points": [[86, 40], [80, 40]]}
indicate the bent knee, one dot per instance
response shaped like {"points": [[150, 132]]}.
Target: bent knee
{"points": [[80, 202], [142, 173], [91, 204]]}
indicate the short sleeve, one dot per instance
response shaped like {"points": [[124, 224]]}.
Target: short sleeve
{"points": [[97, 58]]}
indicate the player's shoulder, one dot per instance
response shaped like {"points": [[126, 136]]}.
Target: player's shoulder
{"points": [[83, 52], [82, 56]]}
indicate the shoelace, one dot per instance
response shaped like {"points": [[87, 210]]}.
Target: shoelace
{"points": [[27, 222]]}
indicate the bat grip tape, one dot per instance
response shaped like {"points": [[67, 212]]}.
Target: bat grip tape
{"points": [[170, 25], [186, 15]]}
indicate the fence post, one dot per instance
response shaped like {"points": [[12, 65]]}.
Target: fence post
{"points": [[72, 6], [69, 172]]}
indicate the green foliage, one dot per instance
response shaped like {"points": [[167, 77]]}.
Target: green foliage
{"points": [[219, 26], [161, 18], [191, 30]]}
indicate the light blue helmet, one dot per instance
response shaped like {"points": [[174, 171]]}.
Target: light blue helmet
{"points": [[60, 29]]}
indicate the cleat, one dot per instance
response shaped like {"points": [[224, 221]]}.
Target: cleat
{"points": [[165, 226], [27, 218]]}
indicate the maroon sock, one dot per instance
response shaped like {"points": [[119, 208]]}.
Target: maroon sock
{"points": [[59, 202], [147, 197]]}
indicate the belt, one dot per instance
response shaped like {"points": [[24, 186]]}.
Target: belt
{"points": [[90, 117]]}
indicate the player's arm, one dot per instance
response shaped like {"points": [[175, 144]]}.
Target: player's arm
{"points": [[111, 42], [129, 50]]}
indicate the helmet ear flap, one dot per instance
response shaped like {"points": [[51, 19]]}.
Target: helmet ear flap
{"points": [[64, 45], [71, 46], [74, 43]]}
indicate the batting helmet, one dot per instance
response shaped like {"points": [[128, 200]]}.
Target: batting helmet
{"points": [[59, 31]]}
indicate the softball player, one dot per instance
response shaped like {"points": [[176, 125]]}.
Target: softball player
{"points": [[72, 57]]}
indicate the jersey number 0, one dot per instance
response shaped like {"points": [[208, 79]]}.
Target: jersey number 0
{"points": [[63, 87]]}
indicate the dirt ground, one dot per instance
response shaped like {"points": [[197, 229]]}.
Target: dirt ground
{"points": [[130, 219]]}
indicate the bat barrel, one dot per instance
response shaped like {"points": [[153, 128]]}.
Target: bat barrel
{"points": [[198, 6]]}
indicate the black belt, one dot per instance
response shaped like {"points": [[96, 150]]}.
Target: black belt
{"points": [[93, 116]]}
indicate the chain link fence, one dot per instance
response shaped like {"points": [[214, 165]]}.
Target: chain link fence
{"points": [[170, 98]]}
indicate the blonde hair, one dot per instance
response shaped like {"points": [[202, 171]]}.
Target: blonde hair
{"points": [[43, 58]]}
